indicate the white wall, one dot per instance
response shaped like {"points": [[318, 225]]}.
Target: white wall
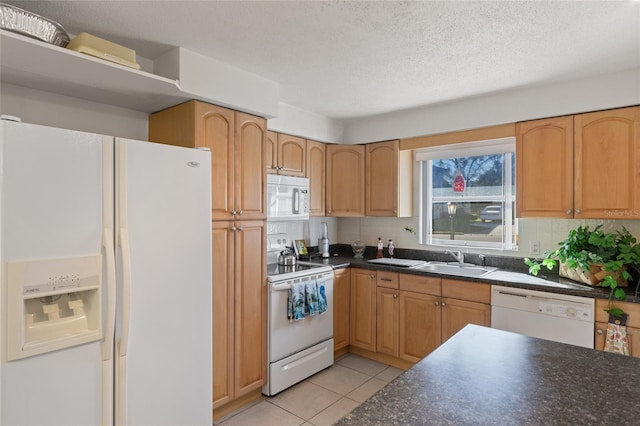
{"points": [[569, 97], [298, 122], [50, 109]]}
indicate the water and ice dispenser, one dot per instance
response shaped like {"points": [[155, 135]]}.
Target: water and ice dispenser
{"points": [[53, 304]]}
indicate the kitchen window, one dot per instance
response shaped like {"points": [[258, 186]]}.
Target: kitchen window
{"points": [[467, 195]]}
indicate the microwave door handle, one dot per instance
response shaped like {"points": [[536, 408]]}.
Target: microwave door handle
{"points": [[296, 201]]}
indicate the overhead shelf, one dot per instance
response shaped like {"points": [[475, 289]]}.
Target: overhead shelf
{"points": [[32, 63]]}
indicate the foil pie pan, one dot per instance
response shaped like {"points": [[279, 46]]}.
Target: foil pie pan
{"points": [[26, 23]]}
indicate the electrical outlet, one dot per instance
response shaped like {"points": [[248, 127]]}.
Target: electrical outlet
{"points": [[534, 247]]}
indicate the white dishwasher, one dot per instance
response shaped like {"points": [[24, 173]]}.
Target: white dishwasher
{"points": [[551, 316]]}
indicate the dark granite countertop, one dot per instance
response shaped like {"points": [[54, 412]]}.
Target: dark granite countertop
{"points": [[485, 376], [512, 273]]}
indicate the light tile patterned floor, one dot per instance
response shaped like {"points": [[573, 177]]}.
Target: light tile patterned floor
{"points": [[320, 400]]}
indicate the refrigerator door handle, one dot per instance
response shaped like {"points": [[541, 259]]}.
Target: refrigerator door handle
{"points": [[109, 252], [126, 291]]}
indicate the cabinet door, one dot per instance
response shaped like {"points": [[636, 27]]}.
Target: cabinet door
{"points": [[544, 168], [382, 179], [362, 316], [315, 171], [387, 324], [341, 287], [420, 325], [458, 313], [607, 160], [345, 180], [291, 155], [216, 132], [250, 306], [272, 153], [633, 334], [250, 167], [223, 297]]}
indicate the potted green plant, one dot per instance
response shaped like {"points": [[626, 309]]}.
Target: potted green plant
{"points": [[596, 258]]}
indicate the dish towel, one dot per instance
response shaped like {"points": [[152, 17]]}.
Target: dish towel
{"points": [[308, 298], [297, 303], [616, 340]]}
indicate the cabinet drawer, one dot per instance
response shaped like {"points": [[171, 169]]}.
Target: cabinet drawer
{"points": [[464, 290], [387, 279], [418, 284]]}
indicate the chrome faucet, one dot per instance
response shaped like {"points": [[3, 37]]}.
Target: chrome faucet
{"points": [[458, 256]]}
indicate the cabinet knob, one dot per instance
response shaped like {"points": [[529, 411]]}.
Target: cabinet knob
{"points": [[395, 211], [395, 296], [372, 276], [240, 212], [568, 211], [233, 229], [239, 228], [599, 332], [436, 303], [578, 211], [233, 212], [443, 304]]}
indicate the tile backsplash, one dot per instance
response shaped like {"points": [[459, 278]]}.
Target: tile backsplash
{"points": [[548, 232]]}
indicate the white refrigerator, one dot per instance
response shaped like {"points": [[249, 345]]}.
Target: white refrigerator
{"points": [[105, 266]]}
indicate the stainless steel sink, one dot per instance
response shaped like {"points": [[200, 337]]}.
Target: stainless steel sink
{"points": [[457, 269]]}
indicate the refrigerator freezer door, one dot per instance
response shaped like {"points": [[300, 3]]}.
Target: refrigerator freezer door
{"points": [[51, 207], [163, 334]]}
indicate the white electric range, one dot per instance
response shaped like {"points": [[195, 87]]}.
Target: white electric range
{"points": [[299, 348]]}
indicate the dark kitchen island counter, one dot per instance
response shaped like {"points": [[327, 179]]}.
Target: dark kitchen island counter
{"points": [[491, 377]]}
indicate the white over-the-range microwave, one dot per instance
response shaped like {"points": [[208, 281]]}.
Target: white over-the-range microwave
{"points": [[287, 198]]}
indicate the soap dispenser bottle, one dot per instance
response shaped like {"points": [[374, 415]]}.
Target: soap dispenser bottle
{"points": [[391, 248], [380, 248]]}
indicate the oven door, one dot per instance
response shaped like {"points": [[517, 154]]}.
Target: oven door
{"points": [[287, 337]]}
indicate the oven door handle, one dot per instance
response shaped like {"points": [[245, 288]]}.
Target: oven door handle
{"points": [[280, 287]]}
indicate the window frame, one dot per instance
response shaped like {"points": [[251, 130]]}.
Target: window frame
{"points": [[506, 200]]}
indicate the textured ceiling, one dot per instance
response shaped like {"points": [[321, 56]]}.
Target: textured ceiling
{"points": [[349, 59]]}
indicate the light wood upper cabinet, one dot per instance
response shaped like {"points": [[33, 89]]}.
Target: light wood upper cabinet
{"points": [[315, 171], [272, 153], [250, 177], [237, 144], [345, 180], [389, 180], [341, 290], [544, 168], [607, 164], [286, 154], [362, 315], [584, 166]]}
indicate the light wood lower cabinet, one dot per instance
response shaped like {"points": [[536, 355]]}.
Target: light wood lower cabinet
{"points": [[341, 289], [464, 303], [633, 325], [388, 320], [414, 317], [420, 325], [239, 309], [362, 315]]}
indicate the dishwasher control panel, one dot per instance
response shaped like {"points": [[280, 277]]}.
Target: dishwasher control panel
{"points": [[565, 309]]}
